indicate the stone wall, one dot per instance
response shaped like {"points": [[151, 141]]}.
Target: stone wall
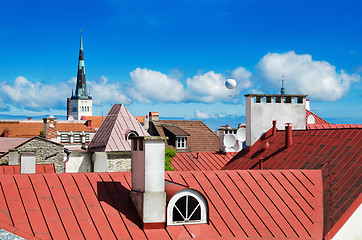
{"points": [[46, 152], [119, 161]]}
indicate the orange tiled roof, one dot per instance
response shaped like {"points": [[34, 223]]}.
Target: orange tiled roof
{"points": [[33, 128], [96, 120]]}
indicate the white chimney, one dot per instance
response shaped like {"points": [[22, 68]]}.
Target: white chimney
{"points": [[27, 163], [261, 109], [148, 180], [307, 106]]}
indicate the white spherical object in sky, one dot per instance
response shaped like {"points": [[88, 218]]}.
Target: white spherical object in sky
{"points": [[230, 83]]}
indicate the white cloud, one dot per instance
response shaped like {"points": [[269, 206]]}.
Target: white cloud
{"points": [[23, 93], [210, 87], [104, 91], [318, 79], [148, 85]]}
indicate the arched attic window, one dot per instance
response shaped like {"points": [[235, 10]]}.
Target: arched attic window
{"points": [[187, 206], [131, 134]]}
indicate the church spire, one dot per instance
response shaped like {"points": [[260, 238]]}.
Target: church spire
{"points": [[81, 88], [282, 90]]}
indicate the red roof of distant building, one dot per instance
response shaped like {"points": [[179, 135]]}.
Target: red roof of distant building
{"points": [[196, 161], [96, 120], [275, 204], [335, 149], [15, 169], [33, 128], [318, 120]]}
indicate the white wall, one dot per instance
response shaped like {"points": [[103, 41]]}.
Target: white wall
{"points": [[100, 161], [259, 116], [352, 229], [79, 162]]}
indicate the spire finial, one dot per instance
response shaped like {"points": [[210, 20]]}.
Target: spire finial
{"points": [[282, 90], [81, 40]]}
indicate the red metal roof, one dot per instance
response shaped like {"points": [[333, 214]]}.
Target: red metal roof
{"points": [[318, 120], [15, 169], [271, 204], [112, 135], [196, 161], [337, 150]]}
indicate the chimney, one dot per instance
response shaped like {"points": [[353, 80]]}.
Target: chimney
{"points": [[307, 106], [6, 133], [50, 128], [88, 123], [27, 163], [288, 135], [148, 180], [274, 127], [13, 157], [154, 116], [261, 163], [29, 118]]}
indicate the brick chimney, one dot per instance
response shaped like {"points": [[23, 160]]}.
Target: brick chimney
{"points": [[148, 180], [50, 128], [6, 133], [288, 135]]}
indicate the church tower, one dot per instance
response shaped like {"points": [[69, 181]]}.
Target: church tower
{"points": [[80, 104]]}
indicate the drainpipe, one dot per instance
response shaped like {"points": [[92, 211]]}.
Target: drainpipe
{"points": [[68, 152], [288, 135]]}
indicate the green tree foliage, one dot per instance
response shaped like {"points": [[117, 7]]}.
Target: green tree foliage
{"points": [[169, 154]]}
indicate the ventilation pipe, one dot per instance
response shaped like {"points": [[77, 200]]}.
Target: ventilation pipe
{"points": [[274, 127], [288, 135]]}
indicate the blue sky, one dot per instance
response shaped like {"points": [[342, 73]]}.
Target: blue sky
{"points": [[174, 56]]}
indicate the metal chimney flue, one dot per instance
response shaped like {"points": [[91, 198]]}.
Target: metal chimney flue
{"points": [[288, 135], [274, 127]]}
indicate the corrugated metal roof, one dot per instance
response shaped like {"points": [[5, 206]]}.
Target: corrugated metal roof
{"points": [[337, 150], [15, 169], [275, 204], [196, 161], [112, 135]]}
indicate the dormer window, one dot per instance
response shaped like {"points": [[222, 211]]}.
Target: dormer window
{"points": [[181, 143], [187, 206]]}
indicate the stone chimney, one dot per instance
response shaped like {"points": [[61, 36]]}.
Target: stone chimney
{"points": [[148, 180], [50, 128]]}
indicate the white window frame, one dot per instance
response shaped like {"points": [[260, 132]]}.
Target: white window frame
{"points": [[181, 144], [187, 192]]}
